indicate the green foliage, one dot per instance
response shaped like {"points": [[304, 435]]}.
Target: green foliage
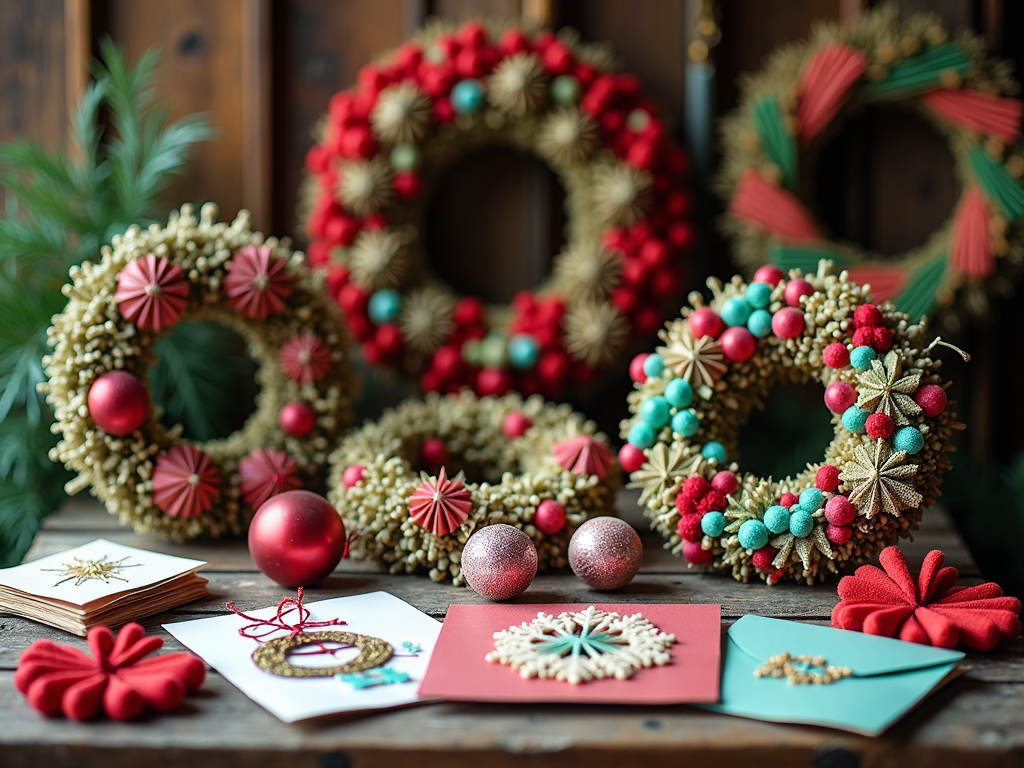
{"points": [[60, 208]]}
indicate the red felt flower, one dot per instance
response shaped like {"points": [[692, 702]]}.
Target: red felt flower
{"points": [[117, 678], [440, 505], [584, 456], [185, 482], [257, 285], [305, 358], [931, 612], [265, 473], [151, 292]]}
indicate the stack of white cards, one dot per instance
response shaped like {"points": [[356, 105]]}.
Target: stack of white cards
{"points": [[99, 583]]}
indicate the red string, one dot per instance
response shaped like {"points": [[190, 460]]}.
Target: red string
{"points": [[279, 624]]}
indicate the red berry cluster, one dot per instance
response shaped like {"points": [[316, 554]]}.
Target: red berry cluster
{"points": [[870, 329], [698, 498], [628, 126]]}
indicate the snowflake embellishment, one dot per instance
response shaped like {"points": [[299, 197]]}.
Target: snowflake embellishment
{"points": [[100, 569], [579, 646]]}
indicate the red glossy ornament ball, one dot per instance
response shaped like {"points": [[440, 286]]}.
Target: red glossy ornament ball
{"points": [[631, 458], [932, 399], [769, 274], [118, 403], [839, 510], [840, 395], [298, 419], [636, 367], [605, 553], [725, 482], [694, 554], [515, 425], [738, 344], [296, 538], [353, 475], [499, 561], [549, 517], [433, 452], [706, 322], [788, 323], [836, 355], [795, 289]]}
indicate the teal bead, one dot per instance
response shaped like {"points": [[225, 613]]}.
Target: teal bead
{"points": [[405, 157], [736, 311], [653, 366], [801, 523], [854, 419], [861, 357], [776, 519], [713, 524], [752, 534], [523, 350], [714, 450], [759, 295], [908, 439], [811, 499], [467, 96], [656, 412], [385, 306], [493, 352], [679, 393], [565, 90], [641, 435], [686, 423], [760, 323]]}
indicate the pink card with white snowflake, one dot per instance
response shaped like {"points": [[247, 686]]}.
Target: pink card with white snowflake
{"points": [[578, 653]]}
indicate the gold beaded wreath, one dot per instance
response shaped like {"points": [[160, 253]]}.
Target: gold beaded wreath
{"points": [[511, 477], [92, 337], [887, 488]]}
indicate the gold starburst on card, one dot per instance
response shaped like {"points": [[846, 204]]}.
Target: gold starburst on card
{"points": [[100, 569]]}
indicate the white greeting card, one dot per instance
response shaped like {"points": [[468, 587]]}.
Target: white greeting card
{"points": [[411, 633]]}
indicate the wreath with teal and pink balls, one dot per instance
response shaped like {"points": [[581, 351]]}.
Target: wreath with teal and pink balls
{"points": [[450, 91], [891, 419]]}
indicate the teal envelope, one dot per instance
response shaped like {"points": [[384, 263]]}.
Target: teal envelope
{"points": [[889, 676]]}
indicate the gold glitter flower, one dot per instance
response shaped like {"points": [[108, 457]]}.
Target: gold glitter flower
{"points": [[699, 361], [876, 482], [587, 270], [621, 193], [517, 85], [663, 469], [426, 319], [567, 136], [365, 186], [379, 259], [883, 391], [402, 114], [594, 333]]}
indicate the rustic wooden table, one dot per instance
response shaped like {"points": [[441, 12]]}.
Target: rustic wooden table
{"points": [[978, 720]]}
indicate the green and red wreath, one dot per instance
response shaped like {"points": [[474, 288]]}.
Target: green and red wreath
{"points": [[788, 110], [450, 91]]}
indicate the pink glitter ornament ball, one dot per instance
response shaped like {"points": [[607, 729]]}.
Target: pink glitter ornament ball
{"points": [[499, 562], [605, 553]]}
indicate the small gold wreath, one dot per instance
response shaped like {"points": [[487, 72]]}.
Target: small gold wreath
{"points": [[785, 665], [273, 656]]}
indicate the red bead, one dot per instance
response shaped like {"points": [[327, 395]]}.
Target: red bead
{"points": [[468, 311], [788, 500], [654, 253], [353, 475], [647, 320], [738, 344], [388, 339], [358, 142], [682, 234], [353, 299], [444, 112], [694, 554], [686, 505], [879, 426], [433, 452], [549, 517], [867, 316], [642, 155], [407, 185], [493, 382], [706, 322], [840, 395], [714, 501], [513, 41], [725, 482], [341, 230], [515, 424], [553, 367], [839, 534], [689, 528], [636, 368], [762, 558], [788, 323], [360, 326], [864, 337], [839, 510], [836, 355], [631, 458], [297, 419], [430, 381], [827, 478], [696, 487], [118, 403], [557, 58], [447, 362], [931, 398], [769, 274], [881, 339], [296, 538], [795, 289]]}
